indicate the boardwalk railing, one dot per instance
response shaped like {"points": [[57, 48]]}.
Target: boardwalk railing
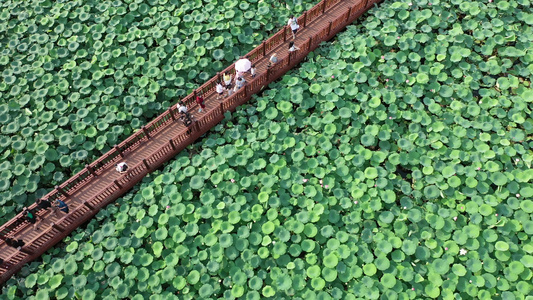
{"points": [[78, 215]]}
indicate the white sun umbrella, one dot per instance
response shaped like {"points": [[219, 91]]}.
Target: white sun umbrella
{"points": [[243, 65]]}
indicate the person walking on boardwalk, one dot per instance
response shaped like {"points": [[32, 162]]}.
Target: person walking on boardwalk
{"points": [[293, 23], [31, 216], [292, 47], [252, 71], [227, 79], [219, 89], [121, 167], [62, 206], [17, 244], [200, 101], [273, 59]]}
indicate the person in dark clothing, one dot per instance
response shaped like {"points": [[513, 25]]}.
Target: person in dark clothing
{"points": [[62, 206], [31, 216], [15, 243], [43, 203]]}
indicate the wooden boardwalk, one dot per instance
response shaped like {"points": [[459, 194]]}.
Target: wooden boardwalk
{"points": [[99, 184]]}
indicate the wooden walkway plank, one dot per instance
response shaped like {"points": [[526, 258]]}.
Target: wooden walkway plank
{"points": [[99, 184]]}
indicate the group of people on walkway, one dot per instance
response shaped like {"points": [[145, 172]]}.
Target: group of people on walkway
{"points": [[32, 217], [293, 23]]}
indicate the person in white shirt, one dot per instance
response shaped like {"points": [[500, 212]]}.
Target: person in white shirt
{"points": [[121, 167], [292, 47], [219, 89], [294, 26], [181, 108], [273, 59], [252, 71]]}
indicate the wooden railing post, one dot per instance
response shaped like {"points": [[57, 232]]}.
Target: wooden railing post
{"points": [[196, 126], [171, 142], [171, 113], [289, 58], [146, 132], [310, 41], [146, 164], [329, 28], [284, 34], [349, 14], [219, 78], [366, 2], [90, 169], [61, 191], [118, 149], [323, 6], [117, 184], [221, 108], [305, 19]]}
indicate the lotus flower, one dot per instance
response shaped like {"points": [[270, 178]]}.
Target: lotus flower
{"points": [[405, 207], [462, 251], [320, 181], [305, 179], [355, 202], [407, 81], [168, 206], [446, 248], [496, 215], [517, 160], [387, 80], [410, 4], [412, 289], [455, 218], [232, 180], [332, 76], [390, 118], [327, 186], [383, 57], [517, 195]]}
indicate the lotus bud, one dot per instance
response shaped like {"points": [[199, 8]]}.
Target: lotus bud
{"points": [[407, 81], [305, 179], [470, 281], [455, 218], [332, 76], [517, 195], [320, 181], [390, 118], [412, 289], [327, 186], [429, 4], [446, 248], [496, 215], [387, 80], [232, 180], [355, 202], [168, 206], [383, 57], [321, 185], [410, 4], [405, 207], [517, 160]]}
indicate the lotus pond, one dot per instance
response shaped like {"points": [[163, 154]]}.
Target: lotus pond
{"points": [[394, 163], [81, 76]]}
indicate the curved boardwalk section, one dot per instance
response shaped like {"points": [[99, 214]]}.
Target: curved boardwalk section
{"points": [[98, 184]]}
